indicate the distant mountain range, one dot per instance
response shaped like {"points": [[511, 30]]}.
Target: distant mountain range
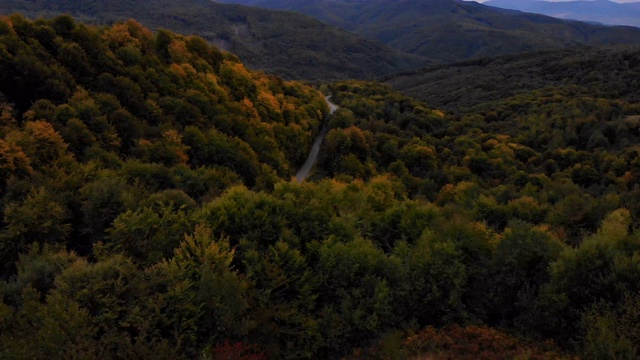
{"points": [[285, 43], [600, 11], [452, 30]]}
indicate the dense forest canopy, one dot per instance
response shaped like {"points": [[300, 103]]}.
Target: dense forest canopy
{"points": [[148, 211], [607, 71]]}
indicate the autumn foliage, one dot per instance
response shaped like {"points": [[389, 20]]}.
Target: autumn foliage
{"points": [[147, 210]]}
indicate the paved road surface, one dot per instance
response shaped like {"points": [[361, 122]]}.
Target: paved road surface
{"points": [[315, 149]]}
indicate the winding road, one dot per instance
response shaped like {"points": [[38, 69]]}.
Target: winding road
{"points": [[315, 149]]}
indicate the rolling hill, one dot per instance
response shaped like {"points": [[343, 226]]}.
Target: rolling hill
{"points": [[451, 30], [461, 85], [284, 43]]}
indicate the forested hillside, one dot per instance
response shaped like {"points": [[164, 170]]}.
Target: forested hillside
{"points": [[148, 211], [285, 43], [453, 30], [611, 72]]}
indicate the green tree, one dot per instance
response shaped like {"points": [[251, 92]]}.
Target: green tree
{"points": [[40, 142], [603, 268], [148, 235], [103, 200], [284, 301], [58, 328], [208, 302], [612, 332], [38, 218], [519, 268], [356, 295]]}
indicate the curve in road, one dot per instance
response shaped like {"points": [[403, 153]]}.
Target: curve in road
{"points": [[315, 149]]}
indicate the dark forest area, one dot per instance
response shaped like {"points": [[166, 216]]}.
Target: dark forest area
{"points": [[148, 209]]}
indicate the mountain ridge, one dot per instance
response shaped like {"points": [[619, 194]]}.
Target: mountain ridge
{"points": [[449, 30]]}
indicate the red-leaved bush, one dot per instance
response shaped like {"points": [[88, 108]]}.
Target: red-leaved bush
{"points": [[237, 351], [476, 343]]}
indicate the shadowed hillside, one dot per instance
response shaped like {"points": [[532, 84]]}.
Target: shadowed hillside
{"points": [[284, 43], [452, 30], [458, 86]]}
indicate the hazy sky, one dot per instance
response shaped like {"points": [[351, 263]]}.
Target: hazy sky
{"points": [[618, 1]]}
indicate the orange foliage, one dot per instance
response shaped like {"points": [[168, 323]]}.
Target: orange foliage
{"points": [[438, 113], [39, 141], [43, 139], [118, 36], [178, 51], [249, 109], [267, 99], [6, 118], [178, 70], [138, 30], [7, 19], [288, 106], [490, 144], [238, 68], [503, 138], [355, 133], [12, 160]]}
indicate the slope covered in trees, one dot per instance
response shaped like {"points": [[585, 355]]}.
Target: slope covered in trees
{"points": [[284, 43], [610, 72], [453, 30], [118, 110], [148, 211]]}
